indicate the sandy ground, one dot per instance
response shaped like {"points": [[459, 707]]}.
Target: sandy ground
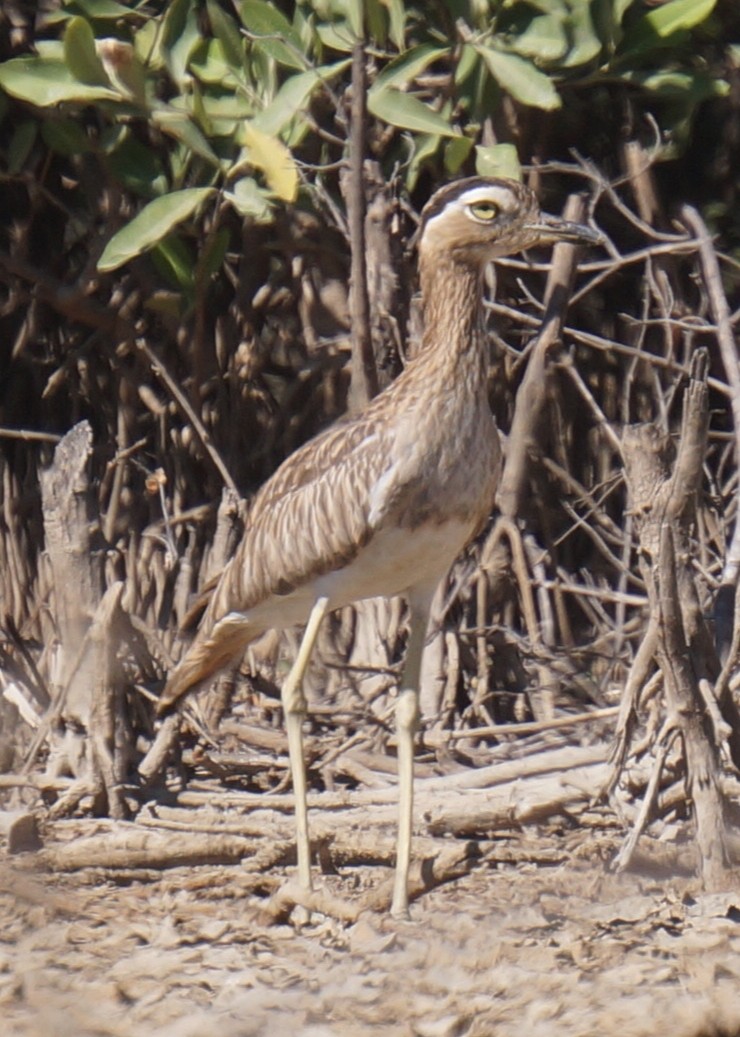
{"points": [[549, 944]]}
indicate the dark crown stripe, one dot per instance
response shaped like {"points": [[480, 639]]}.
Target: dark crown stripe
{"points": [[442, 198]]}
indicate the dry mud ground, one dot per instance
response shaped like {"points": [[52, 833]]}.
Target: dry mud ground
{"points": [[549, 943]]}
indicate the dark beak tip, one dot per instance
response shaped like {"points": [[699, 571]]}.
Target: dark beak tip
{"points": [[576, 233], [590, 236]]}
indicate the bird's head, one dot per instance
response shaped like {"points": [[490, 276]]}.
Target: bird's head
{"points": [[478, 219]]}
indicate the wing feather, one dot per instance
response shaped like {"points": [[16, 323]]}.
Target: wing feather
{"points": [[311, 517]]}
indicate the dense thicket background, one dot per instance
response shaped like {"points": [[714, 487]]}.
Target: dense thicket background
{"points": [[175, 251]]}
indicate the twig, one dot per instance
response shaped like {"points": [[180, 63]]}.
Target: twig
{"points": [[724, 610], [159, 369], [531, 396], [534, 726], [625, 855], [364, 383], [29, 436]]}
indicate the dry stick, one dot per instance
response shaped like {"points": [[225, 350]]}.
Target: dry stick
{"points": [[73, 303], [566, 364], [534, 726], [30, 437], [665, 740], [364, 384], [681, 693], [636, 679], [532, 393], [663, 500], [608, 345], [505, 526], [724, 605], [161, 372]]}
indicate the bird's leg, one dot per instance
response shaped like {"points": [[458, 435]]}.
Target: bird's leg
{"points": [[294, 704], [407, 720]]}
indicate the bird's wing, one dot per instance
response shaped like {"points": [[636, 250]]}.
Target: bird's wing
{"points": [[311, 517]]}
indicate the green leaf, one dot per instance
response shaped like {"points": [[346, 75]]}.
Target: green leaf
{"points": [[124, 69], [180, 37], [456, 152], [585, 42], [543, 39], [212, 256], [397, 15], [337, 36], [677, 15], [50, 50], [273, 158], [272, 32], [65, 137], [104, 10], [148, 45], [46, 82], [353, 12], [175, 261], [406, 67], [227, 106], [407, 112], [426, 147], [689, 87], [151, 225], [21, 143], [226, 32], [656, 28], [498, 160], [182, 128], [520, 78], [136, 167], [250, 200], [208, 62], [80, 54], [620, 8], [376, 17], [293, 95]]}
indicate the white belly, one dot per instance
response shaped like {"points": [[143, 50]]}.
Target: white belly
{"points": [[394, 562]]}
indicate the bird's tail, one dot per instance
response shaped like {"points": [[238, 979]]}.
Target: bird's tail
{"points": [[210, 652]]}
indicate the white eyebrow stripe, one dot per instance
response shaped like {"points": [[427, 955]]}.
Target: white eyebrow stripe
{"points": [[501, 196]]}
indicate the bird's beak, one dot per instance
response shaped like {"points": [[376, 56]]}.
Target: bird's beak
{"points": [[553, 229]]}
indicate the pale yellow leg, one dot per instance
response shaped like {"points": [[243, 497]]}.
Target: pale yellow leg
{"points": [[294, 704], [407, 721]]}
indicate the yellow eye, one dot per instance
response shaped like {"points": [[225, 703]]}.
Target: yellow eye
{"points": [[486, 211]]}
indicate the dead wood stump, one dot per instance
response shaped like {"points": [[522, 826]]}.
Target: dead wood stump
{"points": [[86, 727], [663, 484]]}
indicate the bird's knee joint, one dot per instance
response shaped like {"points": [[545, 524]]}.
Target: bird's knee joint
{"points": [[294, 701], [407, 711]]}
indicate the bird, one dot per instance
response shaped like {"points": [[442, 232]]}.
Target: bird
{"points": [[381, 504]]}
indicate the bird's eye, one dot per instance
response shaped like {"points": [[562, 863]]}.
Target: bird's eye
{"points": [[485, 211]]}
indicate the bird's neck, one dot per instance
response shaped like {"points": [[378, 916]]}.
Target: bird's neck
{"points": [[452, 297]]}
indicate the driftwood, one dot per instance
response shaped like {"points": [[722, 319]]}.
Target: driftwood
{"points": [[129, 846], [20, 830], [345, 828], [444, 863]]}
